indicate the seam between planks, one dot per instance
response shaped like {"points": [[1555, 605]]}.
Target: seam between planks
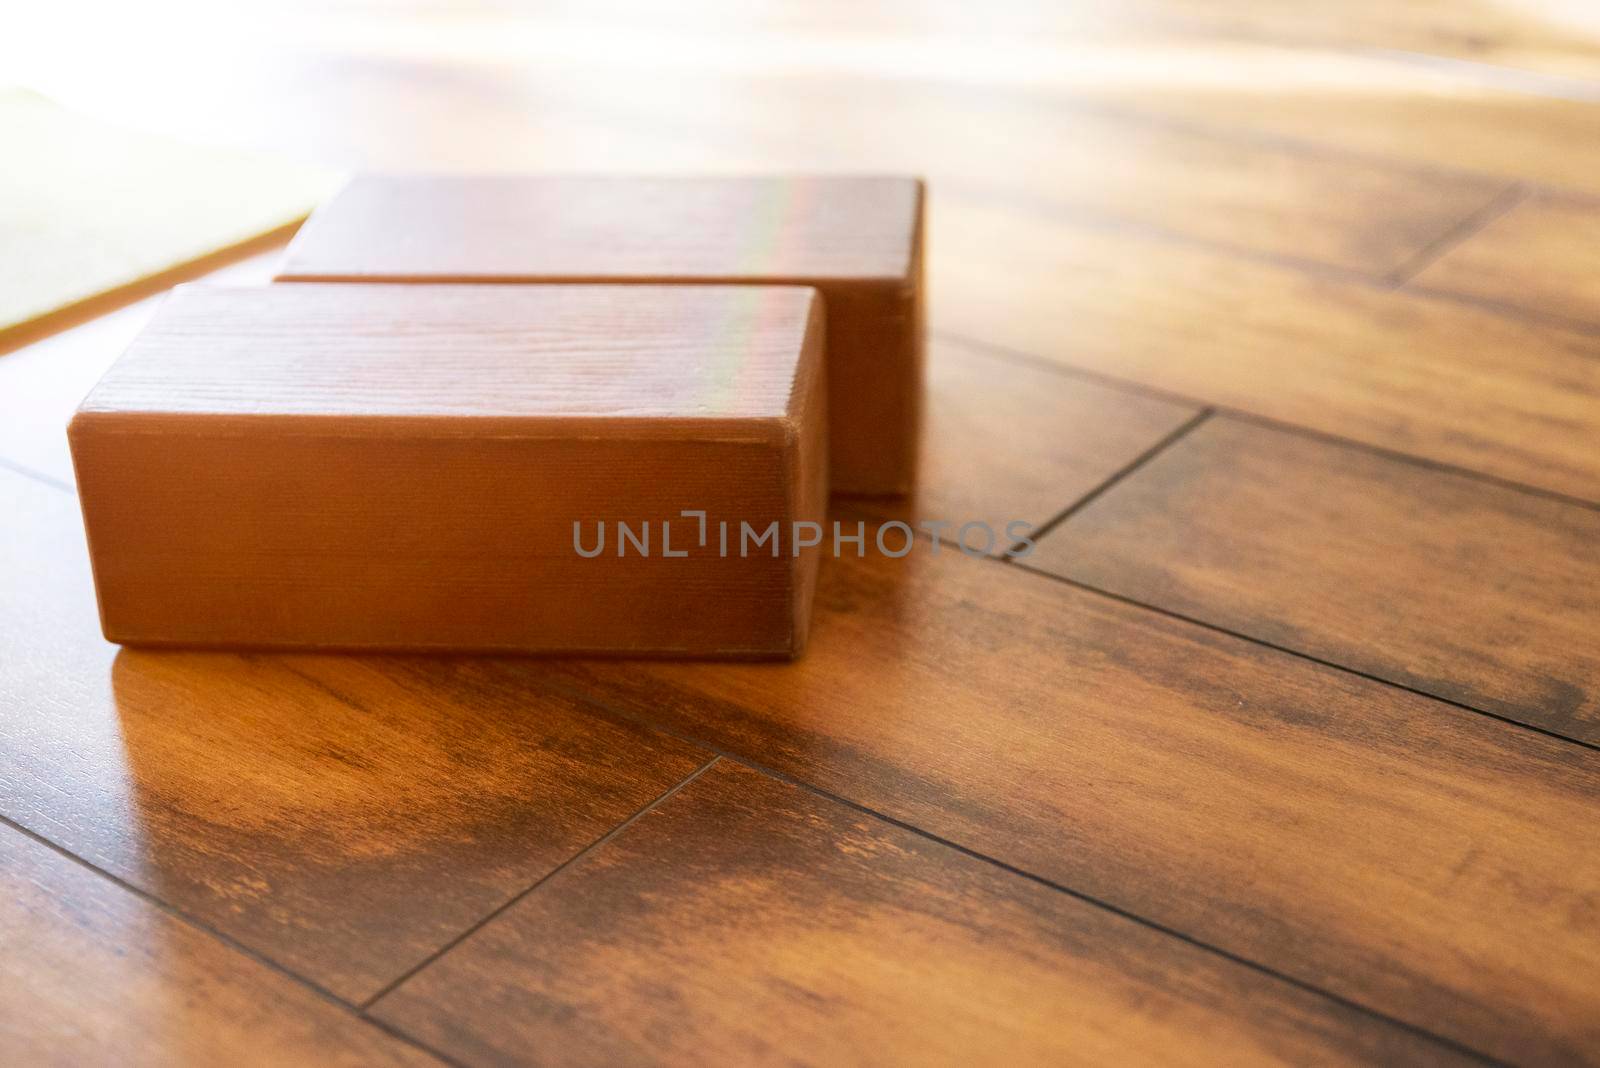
{"points": [[1171, 438], [1296, 653], [1089, 899], [495, 913], [201, 926], [1397, 280], [1507, 310], [1376, 279], [1463, 230], [1217, 628], [1127, 385]]}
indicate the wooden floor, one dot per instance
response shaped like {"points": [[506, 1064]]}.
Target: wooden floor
{"points": [[1284, 746]]}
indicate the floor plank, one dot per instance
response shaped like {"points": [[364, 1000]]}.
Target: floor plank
{"points": [[748, 921], [1475, 593], [1542, 256], [345, 816], [518, 94], [93, 974], [1347, 833], [1005, 442], [1471, 118], [1416, 374], [1544, 36]]}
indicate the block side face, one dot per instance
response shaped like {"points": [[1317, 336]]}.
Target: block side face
{"points": [[553, 228], [876, 343], [807, 469], [535, 352], [359, 543]]}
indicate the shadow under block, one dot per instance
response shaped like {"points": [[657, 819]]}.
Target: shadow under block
{"points": [[856, 239], [416, 467]]}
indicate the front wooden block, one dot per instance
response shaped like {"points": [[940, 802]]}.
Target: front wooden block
{"points": [[401, 467], [858, 240]]}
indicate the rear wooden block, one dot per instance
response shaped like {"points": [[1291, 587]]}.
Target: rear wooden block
{"points": [[858, 240], [401, 467]]}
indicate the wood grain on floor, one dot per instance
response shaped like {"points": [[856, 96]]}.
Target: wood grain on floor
{"points": [[1422, 375], [1051, 152], [986, 412], [1536, 36], [1542, 256], [746, 921], [91, 974], [1473, 592], [1338, 830], [1476, 120]]}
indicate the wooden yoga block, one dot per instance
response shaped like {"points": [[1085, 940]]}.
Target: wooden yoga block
{"points": [[401, 467], [858, 240]]}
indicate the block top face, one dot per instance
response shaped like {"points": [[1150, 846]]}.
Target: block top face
{"points": [[649, 356], [598, 228]]}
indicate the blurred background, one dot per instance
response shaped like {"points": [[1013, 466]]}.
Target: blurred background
{"points": [[1011, 95]]}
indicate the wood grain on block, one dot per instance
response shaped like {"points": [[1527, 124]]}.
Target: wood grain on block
{"points": [[1478, 593], [405, 467], [1342, 832], [93, 974], [858, 240], [745, 921]]}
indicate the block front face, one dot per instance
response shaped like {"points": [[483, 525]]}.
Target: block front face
{"points": [[859, 240], [452, 543], [282, 472]]}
